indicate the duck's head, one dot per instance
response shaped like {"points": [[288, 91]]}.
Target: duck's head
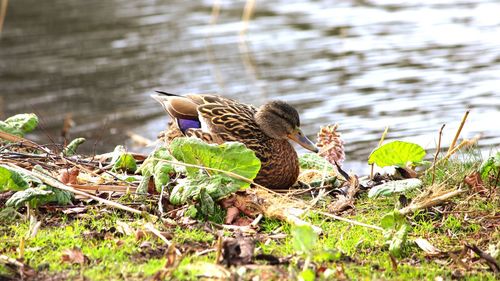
{"points": [[279, 120]]}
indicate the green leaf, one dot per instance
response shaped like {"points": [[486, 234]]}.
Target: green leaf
{"points": [[184, 190], [9, 214], [40, 196], [12, 180], [232, 157], [148, 167], [32, 195], [160, 170], [191, 212], [19, 124], [307, 275], [397, 153], [219, 186], [395, 231], [143, 185], [161, 175], [126, 162], [490, 166], [207, 205], [60, 197], [123, 161], [398, 241], [313, 161], [71, 148], [497, 159], [304, 238], [216, 186], [4, 127], [391, 187]]}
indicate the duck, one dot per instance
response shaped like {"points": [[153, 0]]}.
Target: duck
{"points": [[266, 130]]}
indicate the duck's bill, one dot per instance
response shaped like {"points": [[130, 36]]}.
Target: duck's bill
{"points": [[301, 139]]}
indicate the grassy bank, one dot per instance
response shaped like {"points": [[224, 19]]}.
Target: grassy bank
{"points": [[116, 246]]}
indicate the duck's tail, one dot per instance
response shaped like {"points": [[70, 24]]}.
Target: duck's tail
{"points": [[167, 94]]}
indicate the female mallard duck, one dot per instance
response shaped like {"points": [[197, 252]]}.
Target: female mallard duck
{"points": [[265, 130]]}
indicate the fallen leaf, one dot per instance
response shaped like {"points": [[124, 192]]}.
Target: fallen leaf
{"points": [[124, 228], [427, 247], [475, 182], [243, 221], [237, 251], [69, 176], [75, 210], [74, 256], [231, 215]]}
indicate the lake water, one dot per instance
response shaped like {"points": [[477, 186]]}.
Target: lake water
{"points": [[365, 64]]}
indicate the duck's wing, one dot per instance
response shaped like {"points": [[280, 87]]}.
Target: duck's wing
{"points": [[230, 119], [182, 110], [213, 118]]}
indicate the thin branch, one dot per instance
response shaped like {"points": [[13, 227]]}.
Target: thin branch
{"points": [[437, 153], [349, 220], [149, 226]]}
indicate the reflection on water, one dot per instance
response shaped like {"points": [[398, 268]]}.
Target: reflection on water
{"points": [[408, 65]]}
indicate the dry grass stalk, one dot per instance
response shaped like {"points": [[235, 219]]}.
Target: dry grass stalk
{"points": [[103, 188], [438, 148], [3, 13], [457, 134], [432, 196], [13, 138], [149, 226]]}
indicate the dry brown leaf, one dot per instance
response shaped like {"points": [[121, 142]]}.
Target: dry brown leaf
{"points": [[69, 176], [475, 182], [74, 256], [237, 251], [231, 215]]}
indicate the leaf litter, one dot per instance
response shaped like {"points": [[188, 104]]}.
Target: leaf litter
{"points": [[182, 185]]}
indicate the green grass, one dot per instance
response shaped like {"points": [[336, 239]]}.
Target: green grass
{"points": [[360, 251]]}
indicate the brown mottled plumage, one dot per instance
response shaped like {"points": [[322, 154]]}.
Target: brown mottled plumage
{"points": [[265, 131]]}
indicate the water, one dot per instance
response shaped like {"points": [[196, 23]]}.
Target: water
{"points": [[409, 65]]}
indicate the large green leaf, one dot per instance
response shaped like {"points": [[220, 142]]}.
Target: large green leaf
{"points": [[232, 157], [389, 188], [31, 194], [19, 124], [12, 180], [184, 190], [397, 153], [39, 196], [217, 186]]}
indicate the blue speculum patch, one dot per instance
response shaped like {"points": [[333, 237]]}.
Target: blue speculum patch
{"points": [[185, 124]]}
